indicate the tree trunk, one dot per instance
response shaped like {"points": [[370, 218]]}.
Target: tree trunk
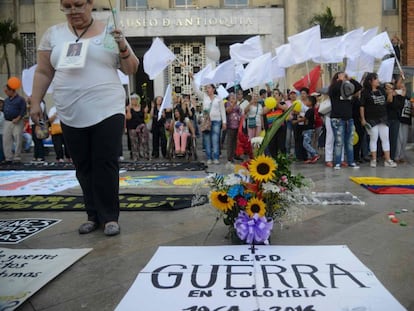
{"points": [[6, 58]]}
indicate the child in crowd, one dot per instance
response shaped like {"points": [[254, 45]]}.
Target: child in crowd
{"points": [[309, 129]]}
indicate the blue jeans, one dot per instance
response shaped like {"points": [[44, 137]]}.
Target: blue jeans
{"points": [[307, 143], [343, 138], [211, 141]]}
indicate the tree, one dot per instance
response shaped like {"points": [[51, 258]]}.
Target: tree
{"points": [[327, 22], [9, 35]]}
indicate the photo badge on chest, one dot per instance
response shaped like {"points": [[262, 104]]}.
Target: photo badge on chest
{"points": [[73, 55]]}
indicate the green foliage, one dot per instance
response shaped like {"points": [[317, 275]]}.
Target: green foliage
{"points": [[9, 35], [284, 163], [327, 22], [277, 123]]}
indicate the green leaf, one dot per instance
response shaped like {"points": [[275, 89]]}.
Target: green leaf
{"points": [[277, 123]]}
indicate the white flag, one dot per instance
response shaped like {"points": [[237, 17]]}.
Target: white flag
{"points": [[245, 52], [356, 68], [198, 78], [369, 34], [332, 51], [222, 92], [257, 72], [277, 71], [157, 58], [379, 46], [352, 41], [239, 73], [306, 45], [27, 81], [223, 73], [123, 77], [166, 101], [284, 56], [386, 70]]}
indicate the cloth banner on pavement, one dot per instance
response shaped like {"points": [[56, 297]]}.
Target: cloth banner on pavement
{"points": [[242, 278], [13, 231], [36, 182], [24, 271]]}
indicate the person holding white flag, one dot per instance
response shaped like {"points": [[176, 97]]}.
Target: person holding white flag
{"points": [[158, 128], [341, 90], [213, 108]]}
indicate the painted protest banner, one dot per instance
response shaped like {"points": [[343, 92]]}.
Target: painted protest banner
{"points": [[24, 271], [277, 278], [13, 231], [35, 182]]}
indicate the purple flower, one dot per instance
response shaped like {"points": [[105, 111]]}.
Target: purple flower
{"points": [[256, 229]]}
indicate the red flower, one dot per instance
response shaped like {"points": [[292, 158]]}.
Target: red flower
{"points": [[241, 201]]}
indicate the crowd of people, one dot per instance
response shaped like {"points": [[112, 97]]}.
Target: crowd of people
{"points": [[366, 121], [18, 131]]}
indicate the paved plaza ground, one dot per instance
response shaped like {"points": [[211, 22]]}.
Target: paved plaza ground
{"points": [[99, 280]]}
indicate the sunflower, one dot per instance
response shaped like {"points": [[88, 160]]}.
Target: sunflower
{"points": [[262, 168], [221, 201], [256, 206]]}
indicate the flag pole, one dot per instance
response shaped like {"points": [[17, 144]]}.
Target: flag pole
{"points": [[323, 76], [399, 67], [307, 69], [113, 13]]}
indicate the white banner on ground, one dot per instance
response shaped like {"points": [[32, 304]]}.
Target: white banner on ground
{"points": [[24, 271], [13, 231], [231, 278]]}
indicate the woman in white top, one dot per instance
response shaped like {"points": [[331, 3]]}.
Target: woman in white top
{"points": [[213, 106], [90, 102]]}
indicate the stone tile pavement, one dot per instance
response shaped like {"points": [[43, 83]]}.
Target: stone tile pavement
{"points": [[100, 280]]}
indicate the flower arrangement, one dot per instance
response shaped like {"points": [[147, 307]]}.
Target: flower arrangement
{"points": [[256, 194]]}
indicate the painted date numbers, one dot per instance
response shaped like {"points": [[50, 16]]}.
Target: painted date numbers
{"points": [[237, 308]]}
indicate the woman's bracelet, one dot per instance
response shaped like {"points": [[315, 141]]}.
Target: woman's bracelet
{"points": [[123, 50], [126, 56]]}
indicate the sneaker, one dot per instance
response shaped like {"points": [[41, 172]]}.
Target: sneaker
{"points": [[88, 227], [209, 162], [329, 164], [216, 161], [337, 167], [315, 158], [373, 163], [390, 163], [353, 165], [112, 228]]}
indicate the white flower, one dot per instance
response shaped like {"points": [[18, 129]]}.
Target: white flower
{"points": [[243, 173], [232, 179], [210, 178], [256, 141], [270, 187]]}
